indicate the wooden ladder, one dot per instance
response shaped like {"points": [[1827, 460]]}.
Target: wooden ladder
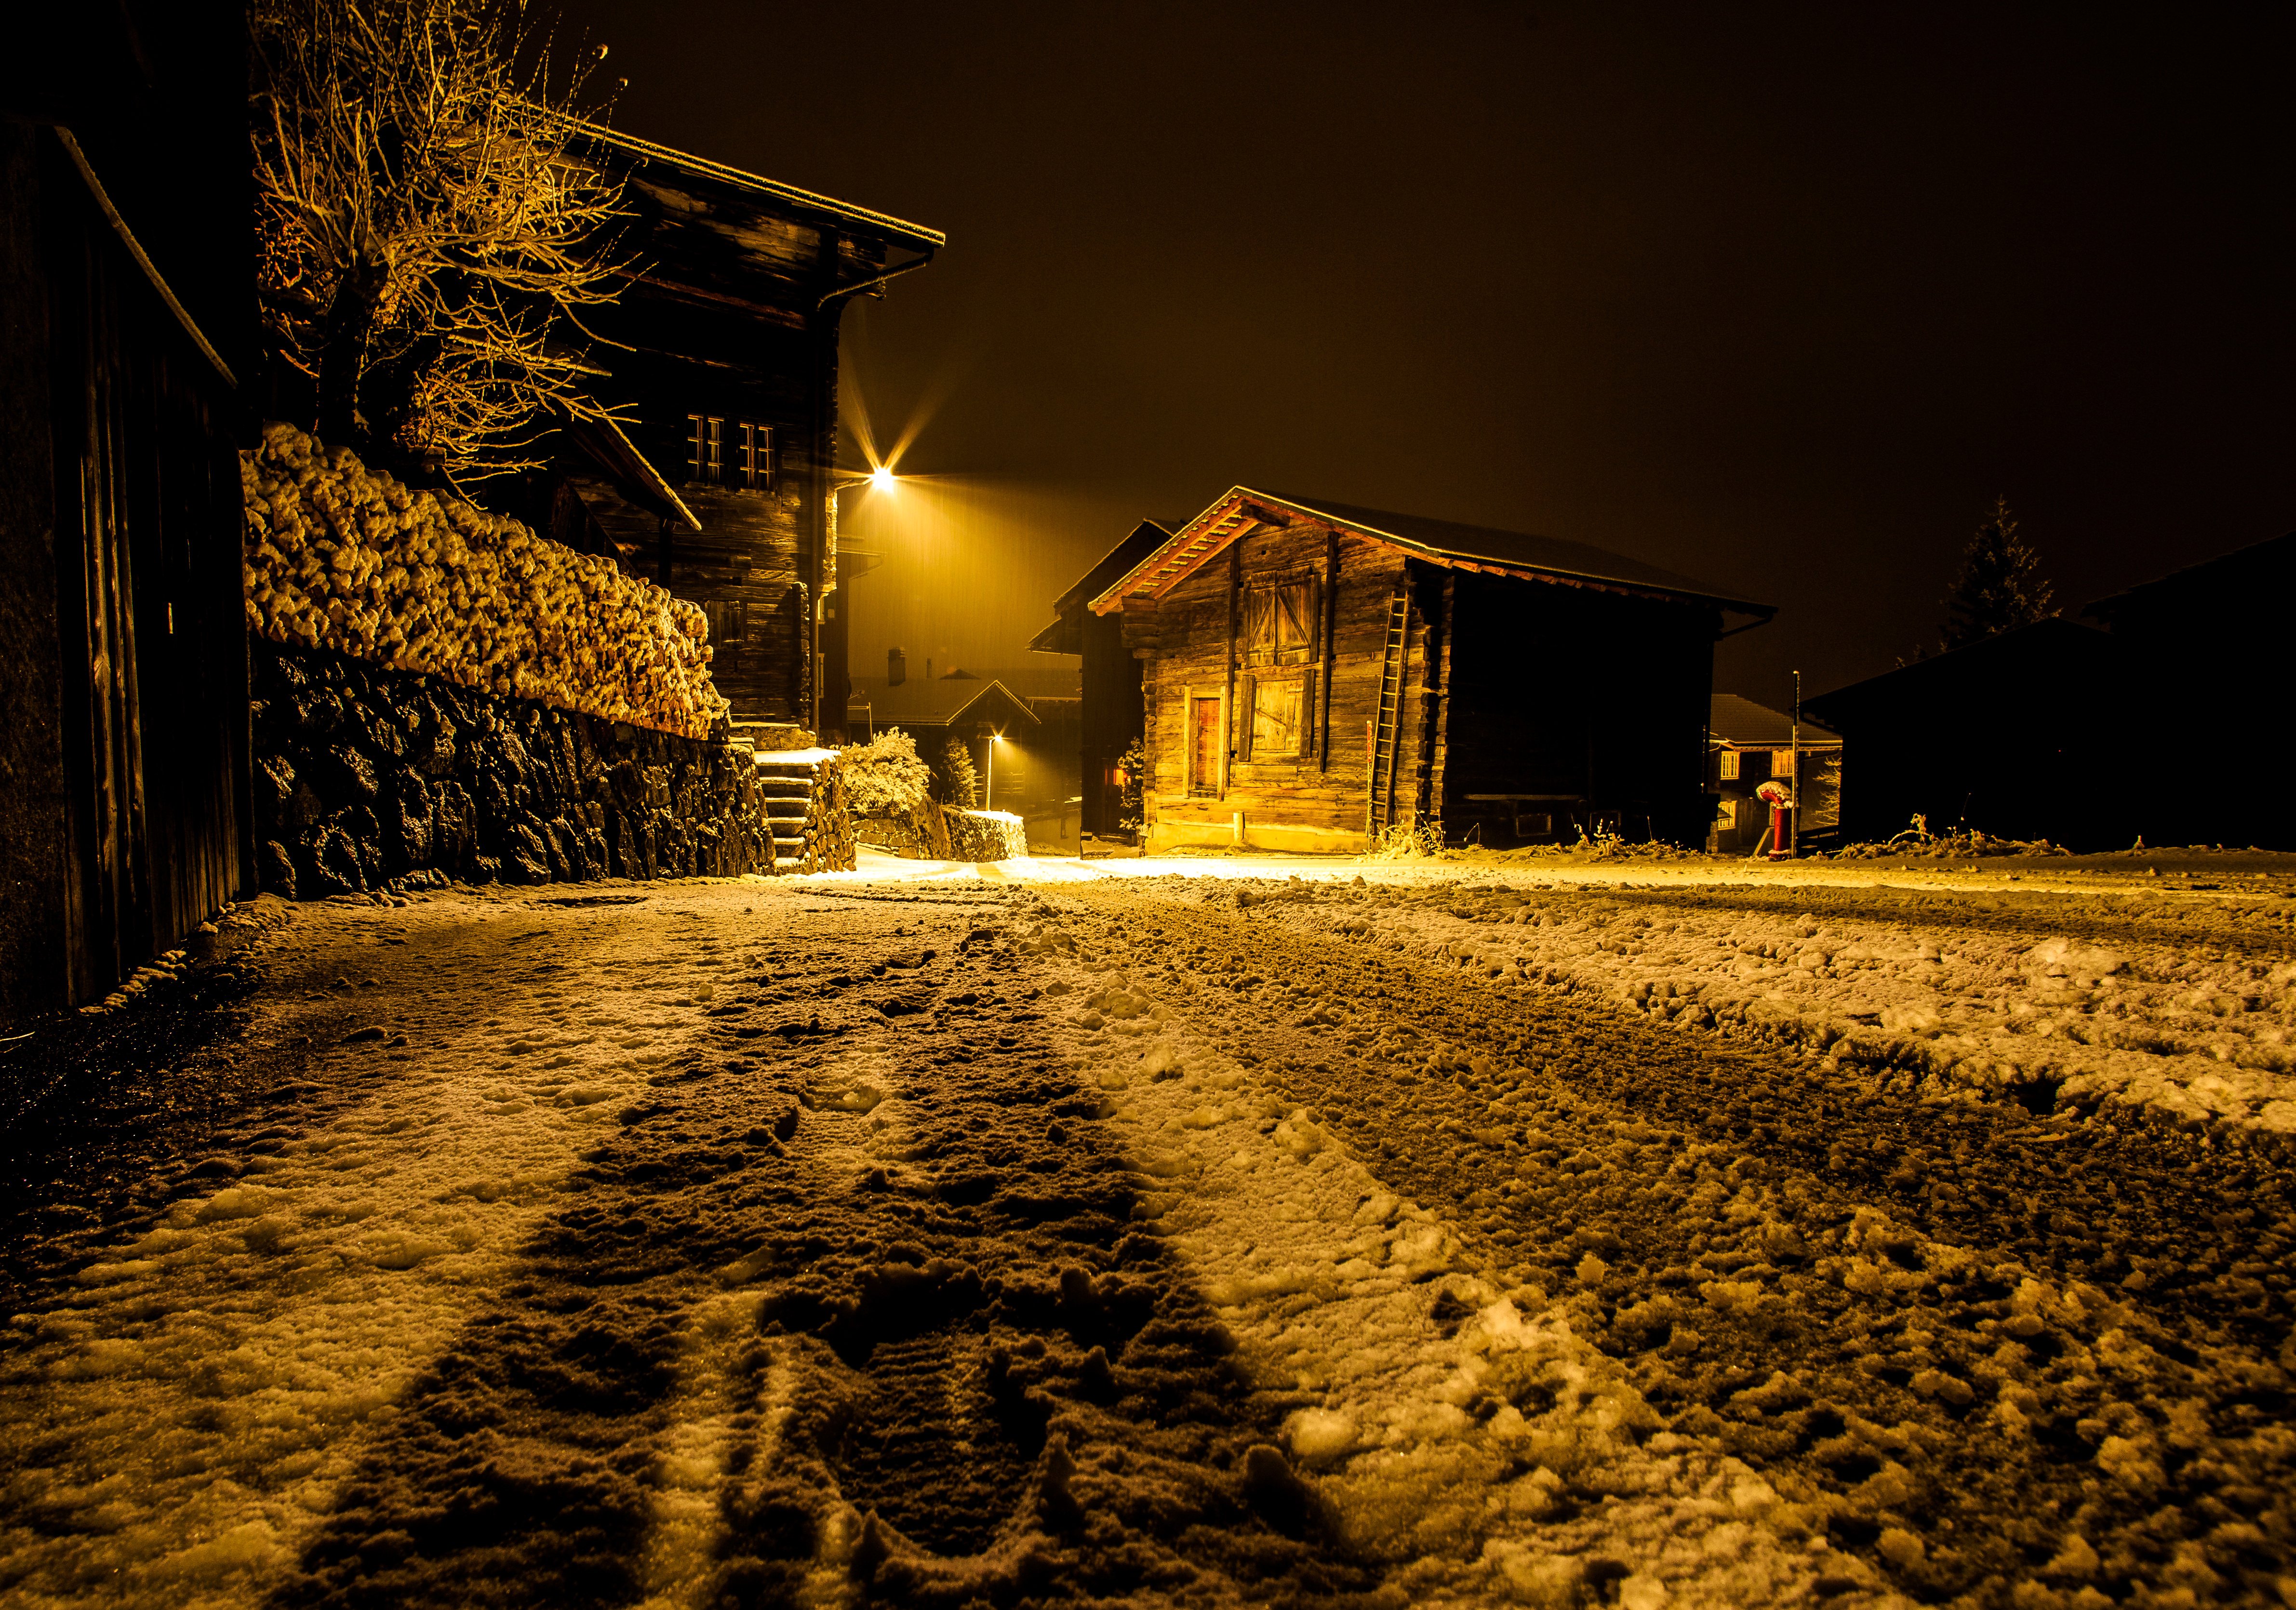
{"points": [[1385, 734]]}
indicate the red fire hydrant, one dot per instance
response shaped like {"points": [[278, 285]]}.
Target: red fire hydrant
{"points": [[1780, 799]]}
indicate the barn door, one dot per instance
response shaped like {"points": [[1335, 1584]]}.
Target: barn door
{"points": [[1204, 745]]}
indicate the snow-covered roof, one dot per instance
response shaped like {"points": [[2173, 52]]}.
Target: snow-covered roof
{"points": [[1743, 723]]}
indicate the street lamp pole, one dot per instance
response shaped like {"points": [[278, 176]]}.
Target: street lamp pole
{"points": [[825, 582]]}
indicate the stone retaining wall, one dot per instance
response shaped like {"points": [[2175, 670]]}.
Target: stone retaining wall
{"points": [[986, 835], [363, 774]]}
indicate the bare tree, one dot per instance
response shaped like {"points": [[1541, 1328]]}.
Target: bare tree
{"points": [[426, 236]]}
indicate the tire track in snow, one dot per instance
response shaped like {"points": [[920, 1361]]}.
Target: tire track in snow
{"points": [[1952, 1415]]}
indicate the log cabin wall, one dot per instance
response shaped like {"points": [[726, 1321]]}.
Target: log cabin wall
{"points": [[1305, 792], [125, 815], [753, 368], [728, 326]]}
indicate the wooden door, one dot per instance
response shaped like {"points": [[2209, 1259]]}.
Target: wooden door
{"points": [[1204, 768]]}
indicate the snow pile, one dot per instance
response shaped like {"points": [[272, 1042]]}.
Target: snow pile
{"points": [[343, 558], [2205, 1041]]}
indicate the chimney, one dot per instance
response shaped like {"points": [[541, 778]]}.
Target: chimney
{"points": [[897, 668]]}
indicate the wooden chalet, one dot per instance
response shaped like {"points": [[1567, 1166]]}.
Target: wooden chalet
{"points": [[725, 347], [1315, 673]]}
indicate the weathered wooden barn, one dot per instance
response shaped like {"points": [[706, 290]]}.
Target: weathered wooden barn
{"points": [[1315, 673], [723, 487], [124, 772]]}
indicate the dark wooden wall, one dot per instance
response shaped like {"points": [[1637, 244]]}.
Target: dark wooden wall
{"points": [[1564, 690], [725, 321], [1111, 718], [128, 819]]}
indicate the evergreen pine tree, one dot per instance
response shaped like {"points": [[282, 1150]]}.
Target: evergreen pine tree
{"points": [[962, 777], [2000, 586]]}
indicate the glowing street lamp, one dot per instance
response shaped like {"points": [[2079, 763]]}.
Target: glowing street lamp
{"points": [[989, 792], [879, 479]]}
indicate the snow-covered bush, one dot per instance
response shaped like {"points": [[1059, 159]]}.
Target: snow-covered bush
{"points": [[884, 777]]}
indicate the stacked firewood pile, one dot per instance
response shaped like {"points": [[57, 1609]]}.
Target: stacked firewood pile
{"points": [[986, 836], [342, 558]]}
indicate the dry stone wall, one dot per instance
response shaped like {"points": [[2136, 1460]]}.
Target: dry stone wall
{"points": [[342, 558], [364, 775], [986, 835]]}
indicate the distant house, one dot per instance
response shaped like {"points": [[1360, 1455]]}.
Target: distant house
{"points": [[1018, 726], [1111, 718], [2023, 735], [1747, 745], [726, 345], [1316, 672]]}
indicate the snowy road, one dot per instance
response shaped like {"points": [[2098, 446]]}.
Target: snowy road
{"points": [[1172, 1241]]}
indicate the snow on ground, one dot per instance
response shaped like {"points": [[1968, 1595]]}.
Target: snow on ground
{"points": [[198, 1394], [1412, 1418], [1085, 1233]]}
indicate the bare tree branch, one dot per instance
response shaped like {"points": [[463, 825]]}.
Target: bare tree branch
{"points": [[424, 229]]}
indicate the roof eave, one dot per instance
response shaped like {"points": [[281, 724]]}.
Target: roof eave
{"points": [[1112, 598], [918, 235]]}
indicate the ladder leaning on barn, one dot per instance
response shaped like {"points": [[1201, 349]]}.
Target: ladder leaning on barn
{"points": [[1379, 812]]}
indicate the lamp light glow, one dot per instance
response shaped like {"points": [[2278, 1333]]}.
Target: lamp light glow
{"points": [[880, 478]]}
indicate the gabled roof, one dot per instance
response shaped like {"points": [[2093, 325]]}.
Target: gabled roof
{"points": [[1244, 509], [1065, 636], [1741, 722], [938, 702]]}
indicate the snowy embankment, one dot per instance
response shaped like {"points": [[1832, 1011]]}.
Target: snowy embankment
{"points": [[2162, 1032]]}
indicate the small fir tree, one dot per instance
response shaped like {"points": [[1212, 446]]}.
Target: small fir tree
{"points": [[962, 778], [2000, 586]]}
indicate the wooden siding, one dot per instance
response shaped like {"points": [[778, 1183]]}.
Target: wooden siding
{"points": [[1508, 686], [128, 821], [1317, 799], [725, 319]]}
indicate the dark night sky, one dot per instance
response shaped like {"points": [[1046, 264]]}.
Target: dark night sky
{"points": [[1780, 295]]}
